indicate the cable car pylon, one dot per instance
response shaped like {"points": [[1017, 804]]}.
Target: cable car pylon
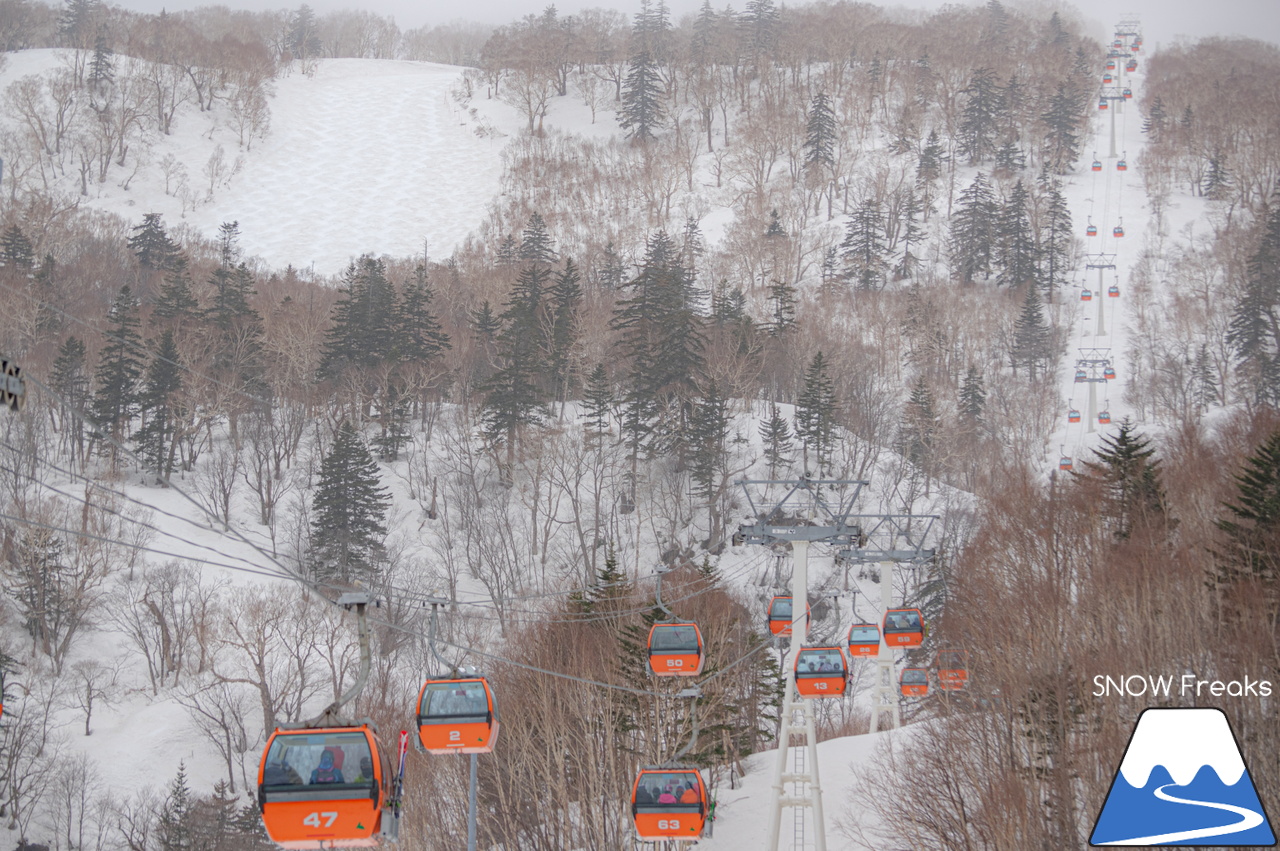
{"points": [[803, 515], [456, 713], [308, 793]]}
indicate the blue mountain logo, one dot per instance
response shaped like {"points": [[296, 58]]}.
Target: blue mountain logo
{"points": [[1183, 781]]}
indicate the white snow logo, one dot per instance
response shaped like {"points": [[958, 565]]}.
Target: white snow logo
{"points": [[1183, 780]]}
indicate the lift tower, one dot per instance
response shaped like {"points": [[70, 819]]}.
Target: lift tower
{"points": [[1101, 262], [809, 511], [1094, 368], [889, 540]]}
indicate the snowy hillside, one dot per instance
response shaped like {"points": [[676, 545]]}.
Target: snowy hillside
{"points": [[203, 643]]}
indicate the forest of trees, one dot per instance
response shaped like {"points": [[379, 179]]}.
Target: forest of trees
{"points": [[569, 397]]}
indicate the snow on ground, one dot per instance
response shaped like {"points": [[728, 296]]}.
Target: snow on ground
{"points": [[376, 156], [362, 156], [366, 156], [1107, 199], [743, 814]]}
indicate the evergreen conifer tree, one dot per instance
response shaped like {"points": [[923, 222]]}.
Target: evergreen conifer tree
{"points": [[119, 369], [1032, 342], [1157, 119], [1126, 470], [176, 303], [152, 245], [508, 253], [173, 831], [536, 245], [514, 393], [1205, 383], [973, 231], [1055, 242], [980, 116], [816, 415], [920, 425], [973, 395], [1009, 157], [929, 171], [157, 439], [863, 249], [16, 250], [660, 338], [642, 112], [821, 138], [349, 511], [1016, 246], [1251, 526], [775, 230], [565, 302], [1254, 332], [708, 457], [362, 335], [612, 270], [598, 403], [1217, 180], [775, 435], [229, 244], [782, 312], [1061, 122], [102, 72], [419, 337]]}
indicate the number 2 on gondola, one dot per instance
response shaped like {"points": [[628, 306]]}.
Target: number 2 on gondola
{"points": [[313, 820], [669, 824]]}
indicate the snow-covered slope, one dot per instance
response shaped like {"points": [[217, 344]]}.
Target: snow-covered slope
{"points": [[361, 156]]}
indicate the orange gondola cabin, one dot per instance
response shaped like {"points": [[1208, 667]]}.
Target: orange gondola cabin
{"points": [[1104, 417], [864, 640], [1122, 166], [914, 682], [323, 787], [953, 669], [1097, 165], [1091, 230], [1086, 295], [781, 616], [1102, 103], [820, 672], [457, 716], [1108, 373], [1064, 463], [903, 628], [669, 803], [675, 649], [1113, 292], [1073, 416], [1117, 231]]}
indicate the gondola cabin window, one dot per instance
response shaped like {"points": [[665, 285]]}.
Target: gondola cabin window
{"points": [[457, 716], [669, 804], [317, 759]]}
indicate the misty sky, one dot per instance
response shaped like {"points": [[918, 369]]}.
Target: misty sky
{"points": [[1162, 20]]}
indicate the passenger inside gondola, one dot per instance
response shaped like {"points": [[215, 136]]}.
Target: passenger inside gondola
{"points": [[330, 768], [670, 791], [312, 759]]}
